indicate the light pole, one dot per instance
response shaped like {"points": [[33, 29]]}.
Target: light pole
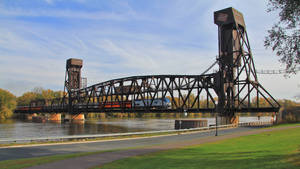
{"points": [[217, 110], [216, 124]]}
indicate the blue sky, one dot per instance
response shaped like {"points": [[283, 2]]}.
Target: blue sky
{"points": [[119, 38]]}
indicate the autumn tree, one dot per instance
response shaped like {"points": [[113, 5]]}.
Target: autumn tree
{"points": [[26, 98], [7, 104], [288, 103], [38, 93], [284, 37]]}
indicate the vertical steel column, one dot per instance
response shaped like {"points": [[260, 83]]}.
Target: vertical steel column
{"points": [[229, 22], [72, 80]]}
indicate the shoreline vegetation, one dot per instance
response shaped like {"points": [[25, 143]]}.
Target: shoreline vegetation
{"points": [[8, 103]]}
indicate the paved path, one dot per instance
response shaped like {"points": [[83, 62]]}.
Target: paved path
{"points": [[67, 148], [189, 139]]}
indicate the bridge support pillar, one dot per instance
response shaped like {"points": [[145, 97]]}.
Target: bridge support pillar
{"points": [[29, 116], [226, 120], [55, 117], [77, 117]]}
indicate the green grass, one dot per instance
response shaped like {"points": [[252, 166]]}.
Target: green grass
{"points": [[269, 150], [287, 124], [27, 162]]}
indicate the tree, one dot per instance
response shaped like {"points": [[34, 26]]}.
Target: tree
{"points": [[36, 94], [7, 104], [26, 98], [284, 37]]}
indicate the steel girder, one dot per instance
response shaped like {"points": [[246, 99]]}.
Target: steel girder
{"points": [[192, 93]]}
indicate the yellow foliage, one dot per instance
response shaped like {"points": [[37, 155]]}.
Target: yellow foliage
{"points": [[7, 104]]}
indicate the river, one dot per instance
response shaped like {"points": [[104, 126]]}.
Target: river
{"points": [[20, 129]]}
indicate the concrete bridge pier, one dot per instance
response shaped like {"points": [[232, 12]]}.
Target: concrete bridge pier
{"points": [[30, 116], [77, 117], [225, 120], [74, 117], [55, 117]]}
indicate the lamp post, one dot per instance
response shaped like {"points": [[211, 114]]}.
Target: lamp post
{"points": [[216, 119], [216, 124]]}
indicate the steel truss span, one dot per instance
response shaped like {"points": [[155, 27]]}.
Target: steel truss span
{"points": [[154, 93]]}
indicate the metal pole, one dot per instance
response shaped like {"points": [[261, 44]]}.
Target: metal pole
{"points": [[216, 124]]}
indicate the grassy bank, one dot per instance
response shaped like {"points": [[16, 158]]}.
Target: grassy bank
{"points": [[277, 149]]}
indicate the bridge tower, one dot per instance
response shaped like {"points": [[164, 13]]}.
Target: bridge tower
{"points": [[236, 81], [72, 79]]}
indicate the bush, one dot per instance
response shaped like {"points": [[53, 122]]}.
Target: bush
{"points": [[7, 104]]}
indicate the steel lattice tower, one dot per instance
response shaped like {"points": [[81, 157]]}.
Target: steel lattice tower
{"points": [[236, 82]]}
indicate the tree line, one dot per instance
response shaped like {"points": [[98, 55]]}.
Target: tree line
{"points": [[38, 93], [9, 102]]}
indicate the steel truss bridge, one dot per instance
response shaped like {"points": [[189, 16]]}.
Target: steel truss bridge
{"points": [[280, 71], [233, 88]]}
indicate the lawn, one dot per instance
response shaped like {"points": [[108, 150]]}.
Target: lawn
{"points": [[277, 149]]}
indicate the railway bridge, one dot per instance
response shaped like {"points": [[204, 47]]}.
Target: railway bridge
{"points": [[233, 88]]}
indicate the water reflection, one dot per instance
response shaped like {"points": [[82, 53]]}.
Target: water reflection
{"points": [[7, 127], [15, 129], [96, 128]]}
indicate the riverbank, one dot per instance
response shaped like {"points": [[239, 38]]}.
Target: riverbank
{"points": [[5, 143], [153, 145], [38, 154], [104, 137], [20, 130]]}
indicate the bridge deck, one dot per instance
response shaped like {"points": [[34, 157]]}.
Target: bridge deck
{"points": [[48, 109]]}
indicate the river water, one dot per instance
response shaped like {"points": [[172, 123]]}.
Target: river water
{"points": [[20, 129]]}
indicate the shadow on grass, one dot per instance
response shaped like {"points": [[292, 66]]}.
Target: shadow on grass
{"points": [[243, 160], [294, 158]]}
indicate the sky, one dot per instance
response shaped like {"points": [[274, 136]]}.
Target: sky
{"points": [[120, 38]]}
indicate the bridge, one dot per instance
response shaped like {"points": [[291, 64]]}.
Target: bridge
{"points": [[233, 88], [280, 71]]}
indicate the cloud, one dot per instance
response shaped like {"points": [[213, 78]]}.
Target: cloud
{"points": [[154, 56], [297, 96], [66, 14], [49, 1], [40, 56], [127, 40]]}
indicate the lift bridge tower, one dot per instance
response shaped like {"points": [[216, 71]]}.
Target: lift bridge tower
{"points": [[73, 80], [236, 80]]}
